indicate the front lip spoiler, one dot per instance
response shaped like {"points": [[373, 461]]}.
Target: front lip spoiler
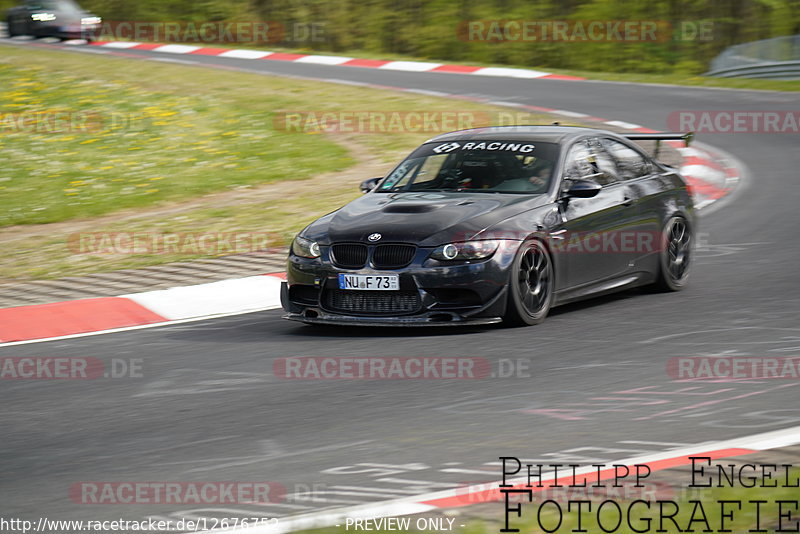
{"points": [[347, 320]]}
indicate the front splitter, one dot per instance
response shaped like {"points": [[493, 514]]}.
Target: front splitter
{"points": [[340, 320]]}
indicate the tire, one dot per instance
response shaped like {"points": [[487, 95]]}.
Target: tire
{"points": [[530, 285], [675, 255]]}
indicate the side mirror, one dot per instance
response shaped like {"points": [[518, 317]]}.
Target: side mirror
{"points": [[369, 184], [584, 188]]}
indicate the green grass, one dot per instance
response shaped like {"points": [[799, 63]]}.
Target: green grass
{"points": [[140, 144], [199, 134], [161, 132], [279, 218]]}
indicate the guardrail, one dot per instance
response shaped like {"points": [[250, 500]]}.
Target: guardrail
{"points": [[784, 70], [776, 59]]}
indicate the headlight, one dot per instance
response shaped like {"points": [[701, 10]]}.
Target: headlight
{"points": [[43, 17], [305, 248], [91, 20], [469, 250]]}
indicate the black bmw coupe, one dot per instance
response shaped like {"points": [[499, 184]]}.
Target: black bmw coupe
{"points": [[52, 18], [496, 224]]}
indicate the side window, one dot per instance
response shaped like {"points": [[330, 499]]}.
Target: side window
{"points": [[589, 158], [577, 162], [631, 164], [605, 164]]}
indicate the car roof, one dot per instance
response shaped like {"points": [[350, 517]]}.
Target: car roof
{"points": [[542, 134]]}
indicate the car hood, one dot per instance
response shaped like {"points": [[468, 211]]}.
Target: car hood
{"points": [[426, 219], [70, 16]]}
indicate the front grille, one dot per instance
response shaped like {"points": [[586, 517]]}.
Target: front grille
{"points": [[379, 302], [393, 256], [349, 255]]}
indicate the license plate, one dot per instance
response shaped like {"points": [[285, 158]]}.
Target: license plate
{"points": [[370, 282]]}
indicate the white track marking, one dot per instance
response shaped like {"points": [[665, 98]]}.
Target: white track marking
{"points": [[246, 54], [687, 152], [324, 60], [426, 92], [510, 73], [505, 104], [566, 113], [622, 124], [346, 82], [176, 49], [705, 173], [411, 66], [121, 44], [226, 296]]}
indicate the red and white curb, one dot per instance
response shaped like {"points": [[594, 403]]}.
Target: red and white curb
{"points": [[489, 492], [339, 61], [80, 317]]}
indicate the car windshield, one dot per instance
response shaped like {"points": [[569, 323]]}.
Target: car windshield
{"points": [[476, 166]]}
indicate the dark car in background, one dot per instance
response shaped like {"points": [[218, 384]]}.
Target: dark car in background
{"points": [[496, 224], [64, 19]]}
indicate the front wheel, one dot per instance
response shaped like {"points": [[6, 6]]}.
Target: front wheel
{"points": [[530, 285], [675, 255]]}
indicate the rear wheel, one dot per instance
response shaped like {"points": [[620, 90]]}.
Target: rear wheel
{"points": [[530, 285], [675, 255]]}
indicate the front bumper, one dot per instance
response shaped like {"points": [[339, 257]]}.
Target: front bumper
{"points": [[464, 293], [89, 32]]}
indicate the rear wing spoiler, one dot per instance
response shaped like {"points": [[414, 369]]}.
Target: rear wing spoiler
{"points": [[658, 137]]}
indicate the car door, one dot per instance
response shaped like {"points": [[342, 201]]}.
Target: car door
{"points": [[588, 240], [641, 176]]}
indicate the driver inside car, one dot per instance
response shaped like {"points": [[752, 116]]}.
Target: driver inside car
{"points": [[534, 177]]}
